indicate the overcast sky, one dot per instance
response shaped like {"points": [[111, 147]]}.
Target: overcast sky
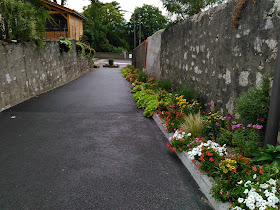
{"points": [[128, 5]]}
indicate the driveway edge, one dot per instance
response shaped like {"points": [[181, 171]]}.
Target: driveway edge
{"points": [[202, 180]]}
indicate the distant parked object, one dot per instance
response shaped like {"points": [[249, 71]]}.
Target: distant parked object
{"points": [[64, 22]]}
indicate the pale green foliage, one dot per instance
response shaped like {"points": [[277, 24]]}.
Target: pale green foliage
{"points": [[24, 20], [193, 123]]}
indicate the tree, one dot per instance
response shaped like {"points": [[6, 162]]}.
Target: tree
{"points": [[24, 20], [105, 26], [185, 8], [148, 19]]}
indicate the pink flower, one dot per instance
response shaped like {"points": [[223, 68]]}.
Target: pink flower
{"points": [[221, 191], [249, 125], [228, 117], [217, 124]]}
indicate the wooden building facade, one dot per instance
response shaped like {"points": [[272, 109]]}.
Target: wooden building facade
{"points": [[64, 22]]}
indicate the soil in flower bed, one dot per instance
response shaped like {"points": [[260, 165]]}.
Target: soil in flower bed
{"points": [[111, 66]]}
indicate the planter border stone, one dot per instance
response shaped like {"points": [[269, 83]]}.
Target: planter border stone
{"points": [[203, 181]]}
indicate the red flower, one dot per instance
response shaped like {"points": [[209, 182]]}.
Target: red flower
{"points": [[211, 159], [197, 166], [261, 171], [234, 170], [201, 158], [215, 163], [254, 168], [261, 167], [209, 154], [202, 155], [193, 160]]}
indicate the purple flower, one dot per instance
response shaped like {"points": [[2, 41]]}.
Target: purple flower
{"points": [[228, 117], [259, 127], [209, 104], [233, 127], [217, 124], [243, 128], [249, 125]]}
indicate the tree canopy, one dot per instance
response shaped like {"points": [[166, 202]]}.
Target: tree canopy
{"points": [[24, 20], [184, 8], [149, 19], [105, 28]]}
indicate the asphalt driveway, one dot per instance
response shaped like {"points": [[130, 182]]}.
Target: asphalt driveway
{"points": [[86, 146]]}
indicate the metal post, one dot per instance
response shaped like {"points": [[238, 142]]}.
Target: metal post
{"points": [[274, 111], [134, 31], [139, 29]]}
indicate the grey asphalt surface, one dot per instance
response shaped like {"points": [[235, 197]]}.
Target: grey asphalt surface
{"points": [[86, 146]]}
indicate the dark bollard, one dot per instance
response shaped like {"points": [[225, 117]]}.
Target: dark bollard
{"points": [[274, 108]]}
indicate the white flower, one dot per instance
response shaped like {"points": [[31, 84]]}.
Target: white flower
{"points": [[240, 182], [246, 191], [240, 200], [271, 182], [264, 186], [189, 134], [255, 176], [237, 208], [248, 182]]}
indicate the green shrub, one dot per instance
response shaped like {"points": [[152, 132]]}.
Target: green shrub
{"points": [[254, 104], [225, 137], [246, 140], [165, 84], [142, 76], [188, 93], [111, 61], [24, 20]]}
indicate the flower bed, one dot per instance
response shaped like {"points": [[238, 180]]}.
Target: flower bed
{"points": [[227, 149]]}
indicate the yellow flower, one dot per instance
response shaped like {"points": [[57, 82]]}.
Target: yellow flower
{"points": [[228, 165], [222, 167], [225, 171]]}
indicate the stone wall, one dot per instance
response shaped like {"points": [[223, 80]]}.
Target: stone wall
{"points": [[114, 55], [139, 53], [27, 71], [220, 61]]}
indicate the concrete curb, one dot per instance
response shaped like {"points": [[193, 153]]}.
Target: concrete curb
{"points": [[203, 181]]}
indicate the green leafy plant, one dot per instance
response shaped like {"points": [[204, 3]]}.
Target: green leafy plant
{"points": [[111, 61], [65, 45], [247, 140], [211, 126], [24, 21], [165, 84], [270, 155], [80, 47], [225, 137], [193, 123], [187, 93], [142, 76], [254, 104]]}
